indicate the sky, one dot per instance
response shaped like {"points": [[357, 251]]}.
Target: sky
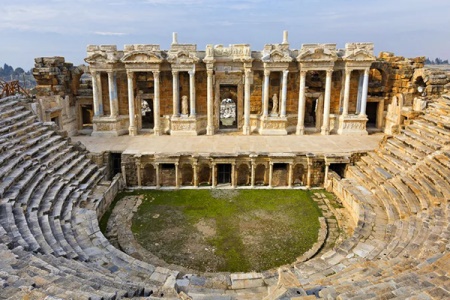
{"points": [[36, 28]]}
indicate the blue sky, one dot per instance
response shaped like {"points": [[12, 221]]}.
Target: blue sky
{"points": [[34, 28]]}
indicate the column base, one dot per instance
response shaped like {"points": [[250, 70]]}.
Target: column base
{"points": [[246, 130], [156, 131], [273, 126], [187, 125], [132, 131], [352, 125], [209, 130], [325, 131], [300, 130]]}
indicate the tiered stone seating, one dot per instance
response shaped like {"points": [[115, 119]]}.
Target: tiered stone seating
{"points": [[51, 244]]}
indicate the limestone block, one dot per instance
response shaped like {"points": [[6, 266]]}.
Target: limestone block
{"points": [[246, 280]]}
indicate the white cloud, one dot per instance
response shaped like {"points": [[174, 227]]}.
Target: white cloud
{"points": [[110, 33]]}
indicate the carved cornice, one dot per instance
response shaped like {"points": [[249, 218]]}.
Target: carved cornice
{"points": [[139, 57], [317, 53], [276, 54]]}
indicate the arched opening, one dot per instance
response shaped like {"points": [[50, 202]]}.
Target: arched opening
{"points": [[243, 176], [280, 174], [260, 175], [419, 86], [376, 83], [148, 175], [168, 175], [187, 175], [204, 175], [299, 175], [228, 108]]}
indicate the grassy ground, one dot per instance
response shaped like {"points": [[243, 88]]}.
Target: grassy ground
{"points": [[227, 230]]}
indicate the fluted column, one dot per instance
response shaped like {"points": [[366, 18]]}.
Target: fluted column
{"points": [[290, 174], [132, 129], [346, 92], [252, 178], [301, 105], [270, 173], [246, 127], [156, 105], [213, 175], [233, 175], [266, 93], [176, 94], [364, 92], [192, 93], [325, 180], [195, 171], [97, 94], [209, 107], [284, 94], [326, 109], [113, 100]]}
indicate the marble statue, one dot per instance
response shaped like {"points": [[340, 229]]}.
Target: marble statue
{"points": [[275, 105], [184, 105]]}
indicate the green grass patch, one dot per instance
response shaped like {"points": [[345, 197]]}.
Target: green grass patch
{"points": [[227, 230]]}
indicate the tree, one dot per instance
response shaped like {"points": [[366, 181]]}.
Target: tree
{"points": [[19, 71]]}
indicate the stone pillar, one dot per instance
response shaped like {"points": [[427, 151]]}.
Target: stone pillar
{"points": [[364, 92], [246, 127], [195, 171], [233, 175], [290, 174], [270, 173], [252, 178], [113, 100], [325, 180], [301, 105], [132, 129], [138, 173], [346, 92], [192, 93], [308, 178], [213, 175], [284, 94], [360, 88], [326, 109], [177, 176], [158, 179], [97, 94], [266, 93], [156, 104], [209, 95], [124, 174], [176, 94]]}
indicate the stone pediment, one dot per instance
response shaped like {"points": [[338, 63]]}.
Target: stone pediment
{"points": [[137, 57], [182, 57], [97, 58], [359, 52], [317, 53], [276, 54], [235, 52]]}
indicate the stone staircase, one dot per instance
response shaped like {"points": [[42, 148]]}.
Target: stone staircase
{"points": [[398, 197]]}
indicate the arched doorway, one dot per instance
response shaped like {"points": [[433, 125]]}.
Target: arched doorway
{"points": [[280, 174], [148, 175], [204, 175], [243, 177], [299, 175], [187, 175], [260, 175]]}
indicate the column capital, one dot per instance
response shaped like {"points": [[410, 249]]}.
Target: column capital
{"points": [[329, 71], [110, 72], [156, 73], [209, 72], [366, 71], [266, 72], [247, 72], [175, 72], [191, 72], [130, 74], [348, 71], [303, 73], [285, 72], [94, 73]]}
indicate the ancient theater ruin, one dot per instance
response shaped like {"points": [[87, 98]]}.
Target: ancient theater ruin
{"points": [[373, 130]]}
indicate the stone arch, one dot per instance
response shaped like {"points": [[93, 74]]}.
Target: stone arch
{"points": [[243, 174], [204, 174], [260, 174], [280, 174], [299, 175], [187, 174], [148, 175], [378, 78]]}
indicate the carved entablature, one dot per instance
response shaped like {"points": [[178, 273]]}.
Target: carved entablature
{"points": [[276, 53], [183, 54], [311, 53], [102, 55], [235, 52], [142, 56], [359, 52]]}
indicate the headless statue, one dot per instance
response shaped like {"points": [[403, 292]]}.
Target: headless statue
{"points": [[184, 105], [275, 105]]}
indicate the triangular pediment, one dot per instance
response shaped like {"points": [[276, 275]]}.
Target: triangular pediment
{"points": [[280, 56], [141, 57], [360, 55], [318, 54], [96, 58]]}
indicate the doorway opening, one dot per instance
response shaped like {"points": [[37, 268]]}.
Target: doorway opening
{"points": [[116, 163], [87, 114], [228, 107], [371, 111], [311, 110], [280, 174], [224, 173], [147, 113]]}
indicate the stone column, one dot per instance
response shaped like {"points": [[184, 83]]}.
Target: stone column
{"points": [[326, 109], [360, 88], [192, 93], [246, 127], [270, 173], [213, 175], [346, 92], [290, 174], [284, 94], [252, 178], [132, 129], [325, 180], [113, 100], [233, 175], [364, 92], [266, 93], [97, 94], [177, 175], [194, 169], [301, 105], [308, 178], [158, 179], [176, 94], [209, 95], [124, 174], [156, 105], [138, 173]]}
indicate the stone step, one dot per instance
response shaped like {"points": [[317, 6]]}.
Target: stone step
{"points": [[423, 139], [413, 144], [383, 163], [408, 197], [13, 119], [17, 125], [379, 172], [24, 230], [7, 104], [12, 175], [395, 198], [11, 111], [441, 133], [8, 223], [442, 185], [409, 152], [417, 190], [23, 183]]}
